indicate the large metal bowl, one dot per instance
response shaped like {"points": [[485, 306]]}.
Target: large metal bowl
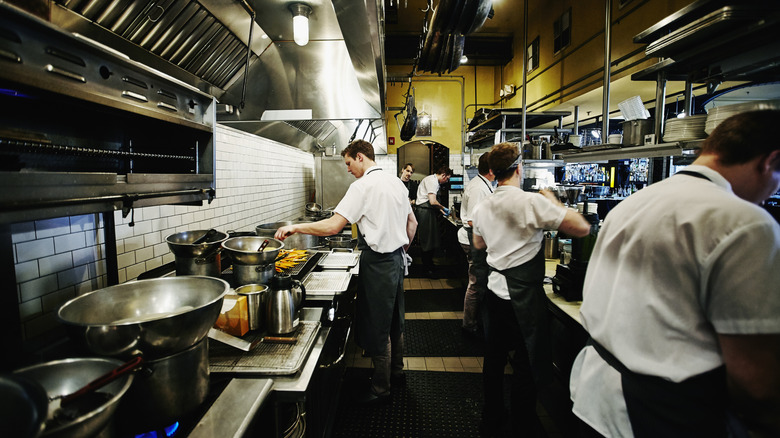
{"points": [[23, 406], [63, 377], [296, 241], [243, 250], [181, 243], [156, 317]]}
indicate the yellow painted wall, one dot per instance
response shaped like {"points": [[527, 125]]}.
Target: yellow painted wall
{"points": [[443, 97]]}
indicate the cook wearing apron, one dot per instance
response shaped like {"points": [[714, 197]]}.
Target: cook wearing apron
{"points": [[427, 215], [510, 223], [378, 204], [675, 265]]}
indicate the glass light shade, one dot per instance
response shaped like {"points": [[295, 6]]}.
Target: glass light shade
{"points": [[301, 30]]}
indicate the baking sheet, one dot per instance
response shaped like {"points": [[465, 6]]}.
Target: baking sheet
{"points": [[338, 260], [326, 283], [266, 358]]}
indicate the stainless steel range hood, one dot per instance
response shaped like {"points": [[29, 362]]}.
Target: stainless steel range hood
{"points": [[333, 83]]}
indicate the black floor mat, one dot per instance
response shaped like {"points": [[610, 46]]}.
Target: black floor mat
{"points": [[440, 338], [438, 300], [432, 404]]}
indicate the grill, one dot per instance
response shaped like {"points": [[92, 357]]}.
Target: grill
{"points": [[85, 129]]}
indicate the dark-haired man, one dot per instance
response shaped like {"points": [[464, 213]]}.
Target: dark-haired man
{"points": [[510, 224], [406, 178], [378, 204], [428, 209], [681, 298]]}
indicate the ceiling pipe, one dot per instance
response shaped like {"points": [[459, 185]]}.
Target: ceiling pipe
{"points": [[525, 64]]}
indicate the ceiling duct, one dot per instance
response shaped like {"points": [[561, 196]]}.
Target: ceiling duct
{"points": [[315, 128]]}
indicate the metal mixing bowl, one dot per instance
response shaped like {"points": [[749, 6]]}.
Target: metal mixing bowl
{"points": [[296, 241], [156, 317], [23, 406], [181, 243], [63, 377], [243, 250]]}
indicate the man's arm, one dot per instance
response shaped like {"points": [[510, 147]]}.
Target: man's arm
{"points": [[753, 373], [434, 203], [325, 227], [411, 228], [478, 241], [573, 224]]}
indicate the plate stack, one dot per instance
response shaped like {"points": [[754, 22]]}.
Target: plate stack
{"points": [[721, 113], [686, 128]]}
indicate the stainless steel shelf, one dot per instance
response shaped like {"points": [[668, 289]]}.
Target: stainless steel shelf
{"points": [[646, 151]]}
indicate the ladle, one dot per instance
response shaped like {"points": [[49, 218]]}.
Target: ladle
{"points": [[263, 245], [205, 238]]}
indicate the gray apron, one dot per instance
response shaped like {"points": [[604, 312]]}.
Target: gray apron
{"points": [[380, 298], [526, 293], [427, 228]]}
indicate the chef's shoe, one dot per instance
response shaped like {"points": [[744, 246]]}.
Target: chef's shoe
{"points": [[368, 398]]}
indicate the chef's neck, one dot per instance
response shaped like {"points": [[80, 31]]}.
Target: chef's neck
{"points": [[513, 180]]}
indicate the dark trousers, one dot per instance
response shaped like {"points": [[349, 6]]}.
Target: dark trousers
{"points": [[503, 335]]}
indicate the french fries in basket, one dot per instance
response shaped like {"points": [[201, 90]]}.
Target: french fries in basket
{"points": [[290, 258]]}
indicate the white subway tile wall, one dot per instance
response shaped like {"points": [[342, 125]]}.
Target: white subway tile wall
{"points": [[258, 181]]}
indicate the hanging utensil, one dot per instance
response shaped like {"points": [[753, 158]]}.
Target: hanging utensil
{"points": [[457, 52], [483, 11]]}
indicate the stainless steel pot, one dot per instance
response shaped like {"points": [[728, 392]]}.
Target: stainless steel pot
{"points": [[634, 131], [156, 317], [243, 250], [296, 241], [196, 258], [165, 390], [256, 297], [253, 274]]}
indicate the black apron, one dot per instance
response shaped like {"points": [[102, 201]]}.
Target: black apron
{"points": [[427, 227], [695, 407], [526, 293], [380, 298]]}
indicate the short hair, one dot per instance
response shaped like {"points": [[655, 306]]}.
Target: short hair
{"points": [[444, 170], [408, 165], [361, 146], [484, 165], [501, 158], [743, 137]]}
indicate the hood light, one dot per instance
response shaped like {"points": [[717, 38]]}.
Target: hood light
{"points": [[300, 14]]}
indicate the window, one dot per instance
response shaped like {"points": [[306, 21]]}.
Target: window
{"points": [[562, 32], [532, 55]]}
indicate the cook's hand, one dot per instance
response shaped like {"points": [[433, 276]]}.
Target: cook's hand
{"points": [[284, 232], [446, 211], [550, 195]]}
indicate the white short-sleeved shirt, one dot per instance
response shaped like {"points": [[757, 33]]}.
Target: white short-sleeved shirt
{"points": [[476, 190], [429, 184], [672, 262], [378, 203], [511, 222]]}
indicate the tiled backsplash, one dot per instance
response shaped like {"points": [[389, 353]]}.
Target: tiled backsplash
{"points": [[258, 181]]}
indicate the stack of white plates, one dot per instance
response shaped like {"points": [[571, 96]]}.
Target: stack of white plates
{"points": [[721, 113], [686, 128]]}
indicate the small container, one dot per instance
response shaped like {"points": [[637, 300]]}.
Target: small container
{"points": [[256, 295]]}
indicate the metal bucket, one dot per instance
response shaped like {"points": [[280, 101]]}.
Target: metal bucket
{"points": [[634, 131]]}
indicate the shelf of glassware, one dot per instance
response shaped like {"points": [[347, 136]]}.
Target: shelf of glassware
{"points": [[678, 148]]}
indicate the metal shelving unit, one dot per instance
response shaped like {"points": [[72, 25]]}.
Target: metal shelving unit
{"points": [[646, 151], [510, 121]]}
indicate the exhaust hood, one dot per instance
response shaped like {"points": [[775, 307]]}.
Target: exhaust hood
{"points": [[333, 83]]}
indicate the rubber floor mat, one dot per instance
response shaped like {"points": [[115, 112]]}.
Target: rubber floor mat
{"points": [[434, 300], [440, 338], [431, 404]]}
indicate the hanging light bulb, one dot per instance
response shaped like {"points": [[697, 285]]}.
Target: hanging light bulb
{"points": [[464, 59], [300, 14]]}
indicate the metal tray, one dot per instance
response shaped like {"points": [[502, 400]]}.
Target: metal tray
{"points": [[339, 260], [266, 358], [326, 283]]}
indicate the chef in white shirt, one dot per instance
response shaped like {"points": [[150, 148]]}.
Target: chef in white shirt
{"points": [[476, 190], [378, 204]]}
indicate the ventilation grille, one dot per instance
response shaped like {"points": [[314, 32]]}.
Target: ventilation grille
{"points": [[180, 31], [316, 128]]}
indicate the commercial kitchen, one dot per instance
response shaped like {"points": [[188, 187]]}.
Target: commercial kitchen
{"points": [[151, 147]]}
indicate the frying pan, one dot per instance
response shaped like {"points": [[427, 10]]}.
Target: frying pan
{"points": [[426, 51], [457, 51], [482, 12], [451, 12], [410, 122]]}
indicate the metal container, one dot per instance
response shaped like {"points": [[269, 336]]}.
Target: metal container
{"points": [[196, 259], [550, 245], [256, 297], [243, 250], [166, 390], [634, 131], [296, 241], [340, 242], [285, 298], [156, 317], [63, 377], [253, 274]]}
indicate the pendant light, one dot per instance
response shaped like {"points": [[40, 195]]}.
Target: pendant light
{"points": [[300, 14]]}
